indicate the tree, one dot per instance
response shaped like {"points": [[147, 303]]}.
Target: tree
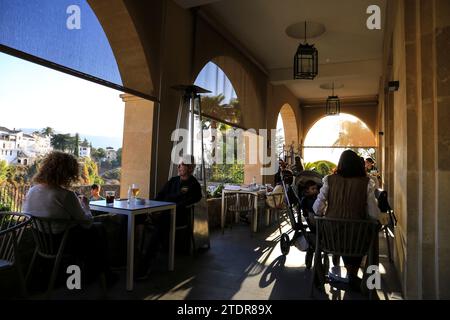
{"points": [[61, 142], [98, 154], [76, 147], [85, 143], [3, 170], [118, 161], [85, 179], [47, 131]]}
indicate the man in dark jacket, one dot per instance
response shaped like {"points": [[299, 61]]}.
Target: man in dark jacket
{"points": [[184, 190]]}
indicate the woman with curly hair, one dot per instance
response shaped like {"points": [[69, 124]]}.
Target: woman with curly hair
{"points": [[50, 197]]}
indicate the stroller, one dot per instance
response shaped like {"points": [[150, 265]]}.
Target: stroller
{"points": [[301, 228]]}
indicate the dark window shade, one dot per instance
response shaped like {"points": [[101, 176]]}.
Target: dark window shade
{"points": [[36, 30]]}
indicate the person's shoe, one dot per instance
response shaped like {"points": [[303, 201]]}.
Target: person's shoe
{"points": [[144, 270], [143, 274]]}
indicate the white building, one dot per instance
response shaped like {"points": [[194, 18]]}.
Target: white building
{"points": [[84, 152], [111, 154], [17, 147]]}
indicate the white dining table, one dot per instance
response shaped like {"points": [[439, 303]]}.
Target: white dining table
{"points": [[131, 210]]}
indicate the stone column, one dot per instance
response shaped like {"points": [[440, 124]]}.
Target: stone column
{"points": [[252, 167], [421, 42], [442, 134], [137, 144]]}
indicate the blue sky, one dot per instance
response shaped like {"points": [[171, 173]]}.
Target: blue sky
{"points": [[212, 78], [40, 28], [32, 96]]}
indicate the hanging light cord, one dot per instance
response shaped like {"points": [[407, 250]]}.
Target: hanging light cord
{"points": [[305, 32]]}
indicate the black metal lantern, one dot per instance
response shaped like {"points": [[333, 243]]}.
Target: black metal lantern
{"points": [[333, 106], [306, 59]]}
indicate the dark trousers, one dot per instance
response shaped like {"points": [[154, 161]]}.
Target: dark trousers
{"points": [[91, 246], [352, 261], [156, 228]]}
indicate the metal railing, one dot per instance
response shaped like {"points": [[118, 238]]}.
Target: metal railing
{"points": [[12, 195]]}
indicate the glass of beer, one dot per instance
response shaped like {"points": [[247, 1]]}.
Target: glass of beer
{"points": [[135, 190], [110, 195]]}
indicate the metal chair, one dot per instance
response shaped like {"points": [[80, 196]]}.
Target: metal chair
{"points": [[343, 237], [12, 226], [49, 245]]}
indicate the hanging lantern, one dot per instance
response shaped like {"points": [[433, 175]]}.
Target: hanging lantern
{"points": [[333, 106], [306, 59]]}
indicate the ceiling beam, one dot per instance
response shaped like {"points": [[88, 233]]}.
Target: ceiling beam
{"points": [[371, 100]]}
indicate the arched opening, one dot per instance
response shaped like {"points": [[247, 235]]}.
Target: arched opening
{"points": [[331, 135], [221, 114], [251, 115], [105, 49], [287, 132]]}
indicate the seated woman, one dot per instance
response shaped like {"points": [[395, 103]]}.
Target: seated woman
{"points": [[50, 197], [348, 194]]}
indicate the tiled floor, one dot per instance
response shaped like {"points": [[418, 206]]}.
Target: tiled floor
{"points": [[239, 265]]}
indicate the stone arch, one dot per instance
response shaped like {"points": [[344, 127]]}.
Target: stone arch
{"points": [[290, 124], [369, 140], [243, 84], [125, 42], [366, 113]]}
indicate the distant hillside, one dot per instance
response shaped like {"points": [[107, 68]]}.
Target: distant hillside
{"points": [[97, 141]]}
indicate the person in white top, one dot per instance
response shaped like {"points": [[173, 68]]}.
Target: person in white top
{"points": [[50, 197], [348, 194]]}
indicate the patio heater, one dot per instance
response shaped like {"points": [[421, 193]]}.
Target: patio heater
{"points": [[190, 107]]}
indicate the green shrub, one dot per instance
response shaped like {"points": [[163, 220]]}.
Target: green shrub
{"points": [[4, 207], [323, 167]]}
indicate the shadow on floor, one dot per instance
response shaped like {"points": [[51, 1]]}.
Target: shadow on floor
{"points": [[240, 265]]}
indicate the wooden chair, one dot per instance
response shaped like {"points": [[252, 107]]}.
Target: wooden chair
{"points": [[275, 204], [12, 226], [49, 245], [238, 204], [343, 237]]}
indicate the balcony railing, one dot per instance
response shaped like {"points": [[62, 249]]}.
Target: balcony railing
{"points": [[12, 195]]}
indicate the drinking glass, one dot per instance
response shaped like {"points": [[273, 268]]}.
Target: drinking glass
{"points": [[110, 195], [135, 190]]}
